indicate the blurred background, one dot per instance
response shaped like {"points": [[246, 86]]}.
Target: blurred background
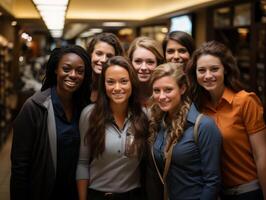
{"points": [[30, 29]]}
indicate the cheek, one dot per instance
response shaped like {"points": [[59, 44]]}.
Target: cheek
{"points": [[185, 56], [136, 66]]}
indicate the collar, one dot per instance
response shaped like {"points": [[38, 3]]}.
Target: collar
{"points": [[228, 95], [192, 114]]}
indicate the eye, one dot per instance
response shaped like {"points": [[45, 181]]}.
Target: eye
{"points": [[170, 51], [99, 53], [201, 70], [138, 61], [150, 62], [80, 71], [124, 81], [109, 82], [168, 90], [109, 55], [182, 50], [214, 69], [156, 91], [66, 69]]}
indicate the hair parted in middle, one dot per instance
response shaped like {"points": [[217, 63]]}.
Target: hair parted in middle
{"points": [[158, 117], [149, 44], [101, 114]]}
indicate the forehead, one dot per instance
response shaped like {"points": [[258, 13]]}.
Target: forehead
{"points": [[174, 44], [208, 59], [116, 71], [71, 57], [144, 53], [165, 81], [104, 46]]}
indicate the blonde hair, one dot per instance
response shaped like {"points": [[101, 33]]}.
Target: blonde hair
{"points": [[149, 44], [157, 116]]}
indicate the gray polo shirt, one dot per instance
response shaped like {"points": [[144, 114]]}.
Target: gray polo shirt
{"points": [[117, 169]]}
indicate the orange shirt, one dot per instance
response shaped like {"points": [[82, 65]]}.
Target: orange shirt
{"points": [[238, 115]]}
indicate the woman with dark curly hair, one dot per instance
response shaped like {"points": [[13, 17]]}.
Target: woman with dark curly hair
{"points": [[113, 133], [217, 92], [46, 136]]}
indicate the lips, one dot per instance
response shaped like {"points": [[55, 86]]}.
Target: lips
{"points": [[71, 83]]}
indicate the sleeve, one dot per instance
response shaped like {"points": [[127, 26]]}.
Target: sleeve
{"points": [[210, 148], [24, 131], [252, 113], [83, 162]]}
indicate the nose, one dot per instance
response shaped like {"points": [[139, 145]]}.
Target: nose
{"points": [[117, 86], [103, 58], [208, 74], [162, 95], [176, 55], [72, 73], [143, 66]]}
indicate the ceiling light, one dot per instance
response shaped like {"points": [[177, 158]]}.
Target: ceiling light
{"points": [[114, 24], [53, 14]]}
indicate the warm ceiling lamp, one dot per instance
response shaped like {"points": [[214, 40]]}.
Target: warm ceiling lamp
{"points": [[53, 14]]}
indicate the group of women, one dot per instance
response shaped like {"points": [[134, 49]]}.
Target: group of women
{"points": [[160, 122]]}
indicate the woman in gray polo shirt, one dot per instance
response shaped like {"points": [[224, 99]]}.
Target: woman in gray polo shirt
{"points": [[113, 131]]}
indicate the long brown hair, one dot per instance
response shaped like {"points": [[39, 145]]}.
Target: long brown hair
{"points": [[177, 124], [231, 77], [101, 114]]}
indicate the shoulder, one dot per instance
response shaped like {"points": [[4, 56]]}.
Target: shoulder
{"points": [[244, 97], [85, 114], [208, 127]]}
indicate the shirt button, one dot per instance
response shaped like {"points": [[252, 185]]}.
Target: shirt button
{"points": [[119, 136], [119, 151]]}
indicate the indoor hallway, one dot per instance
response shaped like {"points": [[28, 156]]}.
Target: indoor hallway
{"points": [[5, 169]]}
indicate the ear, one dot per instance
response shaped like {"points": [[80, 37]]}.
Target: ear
{"points": [[183, 89]]}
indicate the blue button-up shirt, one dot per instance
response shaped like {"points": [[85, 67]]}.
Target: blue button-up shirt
{"points": [[194, 172]]}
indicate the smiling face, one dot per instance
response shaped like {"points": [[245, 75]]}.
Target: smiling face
{"points": [[210, 74], [101, 53], [117, 85], [144, 62], [70, 74], [167, 94], [176, 53]]}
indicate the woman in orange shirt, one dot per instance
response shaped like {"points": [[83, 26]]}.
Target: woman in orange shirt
{"points": [[217, 92]]}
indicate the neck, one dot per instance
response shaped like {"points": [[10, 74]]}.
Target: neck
{"points": [[216, 96], [119, 113], [66, 101]]}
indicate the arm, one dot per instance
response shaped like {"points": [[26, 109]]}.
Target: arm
{"points": [[82, 174], [24, 131], [209, 147], [258, 143], [82, 188]]}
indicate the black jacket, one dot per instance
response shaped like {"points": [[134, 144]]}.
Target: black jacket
{"points": [[33, 161]]}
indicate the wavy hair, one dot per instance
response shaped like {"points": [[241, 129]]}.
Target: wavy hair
{"points": [[149, 44], [101, 114], [231, 72], [158, 118], [81, 96]]}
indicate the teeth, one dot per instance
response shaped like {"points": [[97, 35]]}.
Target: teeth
{"points": [[71, 83]]}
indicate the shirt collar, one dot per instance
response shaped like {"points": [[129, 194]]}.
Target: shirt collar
{"points": [[192, 114], [228, 95]]}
